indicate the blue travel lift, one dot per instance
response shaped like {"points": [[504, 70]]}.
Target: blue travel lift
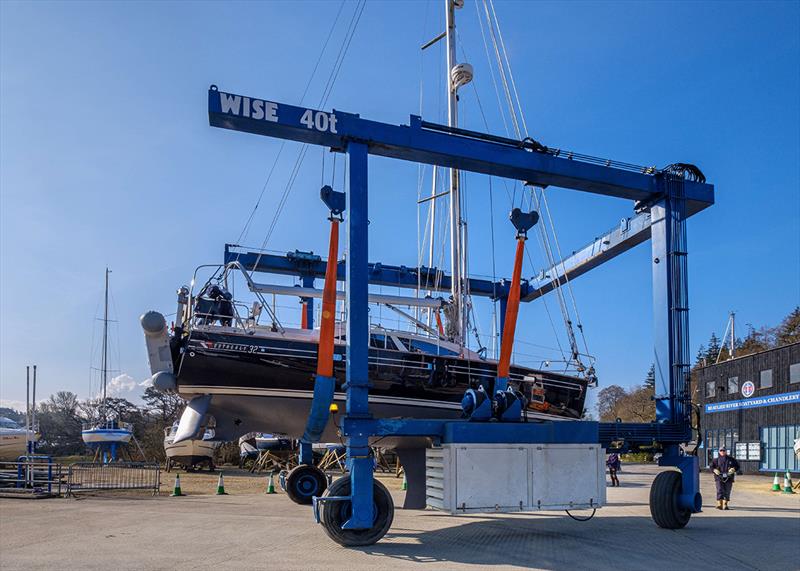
{"points": [[357, 509]]}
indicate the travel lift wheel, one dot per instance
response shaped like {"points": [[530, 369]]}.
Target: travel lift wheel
{"points": [[336, 513], [304, 482], [664, 501]]}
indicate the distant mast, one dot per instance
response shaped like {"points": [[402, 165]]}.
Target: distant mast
{"points": [[104, 361]]}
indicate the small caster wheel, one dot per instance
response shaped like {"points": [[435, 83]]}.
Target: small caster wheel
{"points": [[335, 514], [664, 501], [305, 482]]}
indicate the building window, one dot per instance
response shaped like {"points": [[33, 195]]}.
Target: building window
{"points": [[778, 443], [727, 437], [733, 385], [794, 373], [710, 389], [766, 379]]}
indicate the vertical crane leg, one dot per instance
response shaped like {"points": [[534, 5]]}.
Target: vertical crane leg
{"points": [[673, 497], [308, 304], [358, 453], [358, 510]]}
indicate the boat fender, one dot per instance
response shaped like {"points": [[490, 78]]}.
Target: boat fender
{"points": [[156, 338], [164, 381]]}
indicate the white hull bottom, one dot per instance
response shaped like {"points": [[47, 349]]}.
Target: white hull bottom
{"points": [[190, 448], [239, 410], [12, 446], [106, 436]]}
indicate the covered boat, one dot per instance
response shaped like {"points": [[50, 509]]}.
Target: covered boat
{"points": [[191, 452]]}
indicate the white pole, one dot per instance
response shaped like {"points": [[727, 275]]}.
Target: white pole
{"points": [[455, 195], [27, 398]]}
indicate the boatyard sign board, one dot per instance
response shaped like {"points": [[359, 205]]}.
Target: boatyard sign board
{"points": [[771, 400]]}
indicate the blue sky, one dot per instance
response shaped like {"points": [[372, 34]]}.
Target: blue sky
{"points": [[106, 156]]}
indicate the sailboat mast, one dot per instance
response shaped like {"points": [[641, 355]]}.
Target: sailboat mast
{"points": [[456, 255], [105, 347]]}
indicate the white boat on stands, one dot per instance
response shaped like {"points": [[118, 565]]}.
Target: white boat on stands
{"points": [[191, 452], [106, 432], [14, 439]]}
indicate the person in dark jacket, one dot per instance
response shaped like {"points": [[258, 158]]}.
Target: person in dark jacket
{"points": [[724, 468], [613, 463]]}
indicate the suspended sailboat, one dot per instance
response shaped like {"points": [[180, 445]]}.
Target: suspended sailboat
{"points": [[260, 377], [107, 434]]}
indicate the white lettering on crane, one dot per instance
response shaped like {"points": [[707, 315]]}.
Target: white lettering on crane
{"points": [[271, 111], [261, 110], [244, 106], [230, 103], [319, 121], [258, 109]]}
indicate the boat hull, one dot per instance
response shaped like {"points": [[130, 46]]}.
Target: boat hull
{"points": [[190, 451], [13, 445], [106, 436], [259, 384]]}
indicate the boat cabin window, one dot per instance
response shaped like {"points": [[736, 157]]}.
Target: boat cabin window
{"points": [[380, 341], [418, 346]]}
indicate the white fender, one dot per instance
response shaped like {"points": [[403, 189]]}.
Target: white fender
{"points": [[156, 337]]}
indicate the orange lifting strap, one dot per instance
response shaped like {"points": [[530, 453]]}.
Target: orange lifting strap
{"points": [[439, 323], [512, 309], [326, 326], [304, 312]]}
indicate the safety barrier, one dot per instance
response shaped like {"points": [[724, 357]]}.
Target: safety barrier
{"points": [[90, 476], [34, 475]]}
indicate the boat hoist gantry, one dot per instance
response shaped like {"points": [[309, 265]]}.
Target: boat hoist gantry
{"points": [[357, 510]]}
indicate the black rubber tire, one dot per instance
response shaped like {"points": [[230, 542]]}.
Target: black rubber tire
{"points": [[664, 501], [335, 514], [304, 482]]}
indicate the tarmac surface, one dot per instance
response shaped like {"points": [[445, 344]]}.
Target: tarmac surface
{"points": [[257, 531]]}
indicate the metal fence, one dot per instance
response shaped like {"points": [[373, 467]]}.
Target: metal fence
{"points": [[31, 476], [90, 476]]}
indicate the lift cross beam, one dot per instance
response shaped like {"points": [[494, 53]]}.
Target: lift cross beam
{"points": [[630, 232], [304, 264], [427, 143]]}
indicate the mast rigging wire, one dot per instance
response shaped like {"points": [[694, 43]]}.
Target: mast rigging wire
{"points": [[337, 65], [520, 127]]}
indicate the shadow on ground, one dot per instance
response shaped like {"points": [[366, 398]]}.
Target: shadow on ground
{"points": [[611, 542]]}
